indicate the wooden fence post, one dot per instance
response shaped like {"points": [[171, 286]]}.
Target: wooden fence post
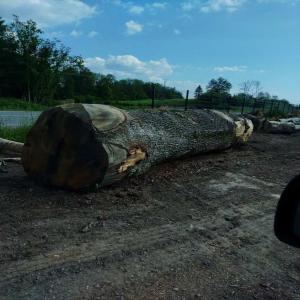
{"points": [[243, 105], [153, 95], [284, 103], [186, 100], [264, 105], [271, 108], [254, 105]]}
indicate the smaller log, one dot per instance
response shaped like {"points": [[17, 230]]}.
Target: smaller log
{"points": [[258, 122], [279, 127], [295, 120], [11, 159], [10, 148]]}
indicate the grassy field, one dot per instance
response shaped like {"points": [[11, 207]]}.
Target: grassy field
{"points": [[148, 103], [17, 134], [18, 104]]}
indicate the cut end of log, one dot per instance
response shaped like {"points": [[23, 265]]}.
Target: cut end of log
{"points": [[243, 127], [61, 149], [243, 130]]}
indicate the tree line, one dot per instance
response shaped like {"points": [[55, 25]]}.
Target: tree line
{"points": [[38, 70], [251, 92]]}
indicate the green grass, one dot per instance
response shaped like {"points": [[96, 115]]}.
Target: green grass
{"points": [[17, 104], [146, 103], [17, 134]]}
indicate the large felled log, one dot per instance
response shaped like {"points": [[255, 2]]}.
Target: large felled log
{"points": [[79, 145], [10, 148]]}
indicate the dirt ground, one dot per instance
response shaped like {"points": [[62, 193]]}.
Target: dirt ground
{"points": [[199, 228]]}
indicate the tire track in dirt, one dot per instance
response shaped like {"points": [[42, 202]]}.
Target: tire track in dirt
{"points": [[187, 242], [200, 224], [150, 239]]}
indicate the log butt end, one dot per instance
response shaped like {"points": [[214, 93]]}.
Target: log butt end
{"points": [[62, 150], [243, 130]]}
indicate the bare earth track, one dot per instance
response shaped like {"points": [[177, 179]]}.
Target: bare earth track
{"points": [[200, 228]]}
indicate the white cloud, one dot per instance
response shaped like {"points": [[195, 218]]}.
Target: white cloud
{"points": [[136, 9], [92, 33], [189, 5], [47, 12], [212, 5], [158, 5], [176, 32], [133, 27], [230, 69], [292, 2], [224, 5], [217, 5], [76, 33], [116, 2], [129, 66]]}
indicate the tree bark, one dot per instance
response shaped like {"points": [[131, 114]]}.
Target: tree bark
{"points": [[76, 146], [10, 148]]}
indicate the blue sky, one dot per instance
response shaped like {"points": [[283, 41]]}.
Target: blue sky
{"points": [[183, 43]]}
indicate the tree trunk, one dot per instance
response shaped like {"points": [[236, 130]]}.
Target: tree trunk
{"points": [[76, 146], [10, 148]]}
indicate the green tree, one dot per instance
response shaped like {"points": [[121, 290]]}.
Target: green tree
{"points": [[219, 86], [105, 86], [198, 92], [28, 40], [50, 62], [10, 67], [39, 69], [43, 60]]}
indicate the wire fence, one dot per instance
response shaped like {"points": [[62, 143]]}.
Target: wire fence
{"points": [[230, 104], [248, 105]]}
